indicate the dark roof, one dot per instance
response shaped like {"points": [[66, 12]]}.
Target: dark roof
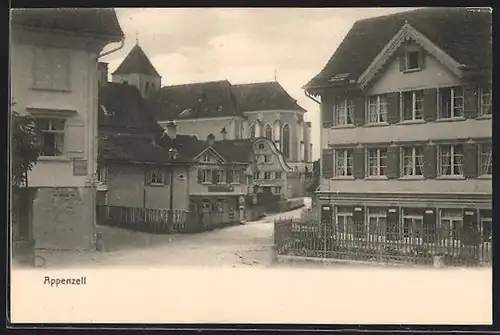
{"points": [[137, 62], [187, 146], [131, 149], [464, 34], [197, 100], [94, 21], [235, 150], [122, 107], [264, 96]]}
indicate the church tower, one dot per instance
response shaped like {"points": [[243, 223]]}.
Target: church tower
{"points": [[136, 69]]}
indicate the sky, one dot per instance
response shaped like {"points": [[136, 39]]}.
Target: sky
{"points": [[242, 45]]}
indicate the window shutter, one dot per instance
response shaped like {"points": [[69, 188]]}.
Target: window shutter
{"points": [[75, 140], [421, 58], [393, 116], [359, 111], [166, 175], [429, 225], [358, 163], [402, 62], [392, 228], [241, 176], [393, 154], [327, 163], [470, 160], [430, 104], [327, 110], [214, 177], [430, 161], [229, 176], [358, 217], [471, 101], [147, 175]]}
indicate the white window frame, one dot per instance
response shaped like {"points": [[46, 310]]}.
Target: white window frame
{"points": [[347, 162], [482, 220], [102, 174], [49, 57], [416, 114], [347, 105], [267, 159], [157, 175], [379, 164], [414, 157], [256, 176], [415, 219], [452, 221], [267, 175], [347, 216], [206, 176], [486, 109], [380, 106], [453, 98], [454, 161], [61, 133], [379, 217], [221, 176], [489, 157]]}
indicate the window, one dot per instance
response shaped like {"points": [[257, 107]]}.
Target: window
{"points": [[278, 175], [377, 161], [377, 109], [485, 154], [269, 132], [156, 176], [377, 218], [344, 219], [267, 175], [102, 173], [51, 69], [256, 175], [451, 102], [252, 131], [267, 159], [486, 99], [50, 133], [343, 111], [451, 223], [261, 146], [451, 160], [286, 141], [412, 60], [412, 105], [206, 176], [220, 176], [412, 224], [412, 162], [486, 222], [343, 162], [277, 190]]}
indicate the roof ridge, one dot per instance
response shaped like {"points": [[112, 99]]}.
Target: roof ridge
{"points": [[198, 83]]}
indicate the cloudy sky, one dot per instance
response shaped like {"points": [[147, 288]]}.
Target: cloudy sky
{"points": [[241, 44]]}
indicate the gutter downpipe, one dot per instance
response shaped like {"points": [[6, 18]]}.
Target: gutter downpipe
{"points": [[122, 44]]}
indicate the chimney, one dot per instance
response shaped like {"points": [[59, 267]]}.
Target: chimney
{"points": [[223, 133], [171, 129], [211, 139], [102, 69]]}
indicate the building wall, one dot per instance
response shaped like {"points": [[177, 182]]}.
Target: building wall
{"points": [[202, 127], [141, 81], [126, 187], [61, 218], [273, 166], [196, 188]]}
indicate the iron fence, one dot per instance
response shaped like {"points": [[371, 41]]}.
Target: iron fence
{"points": [[381, 243]]}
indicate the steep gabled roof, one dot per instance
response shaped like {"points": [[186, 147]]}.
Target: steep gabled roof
{"points": [[196, 100], [137, 62], [235, 150], [464, 34], [92, 21], [122, 108], [264, 96]]}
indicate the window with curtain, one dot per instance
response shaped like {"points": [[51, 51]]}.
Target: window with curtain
{"points": [[50, 135], [344, 219], [377, 218], [412, 103], [269, 132], [412, 162], [451, 102], [451, 223], [377, 109], [343, 111], [286, 141], [377, 161], [343, 162], [451, 160]]}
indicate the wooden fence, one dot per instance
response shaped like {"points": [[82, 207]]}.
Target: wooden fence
{"points": [[380, 243]]}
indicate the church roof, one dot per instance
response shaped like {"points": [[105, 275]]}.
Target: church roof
{"points": [[137, 62]]}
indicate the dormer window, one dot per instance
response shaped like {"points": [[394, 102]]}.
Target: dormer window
{"points": [[412, 59]]}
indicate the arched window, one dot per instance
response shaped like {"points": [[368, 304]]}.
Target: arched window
{"points": [[252, 131], [269, 132], [286, 141]]}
